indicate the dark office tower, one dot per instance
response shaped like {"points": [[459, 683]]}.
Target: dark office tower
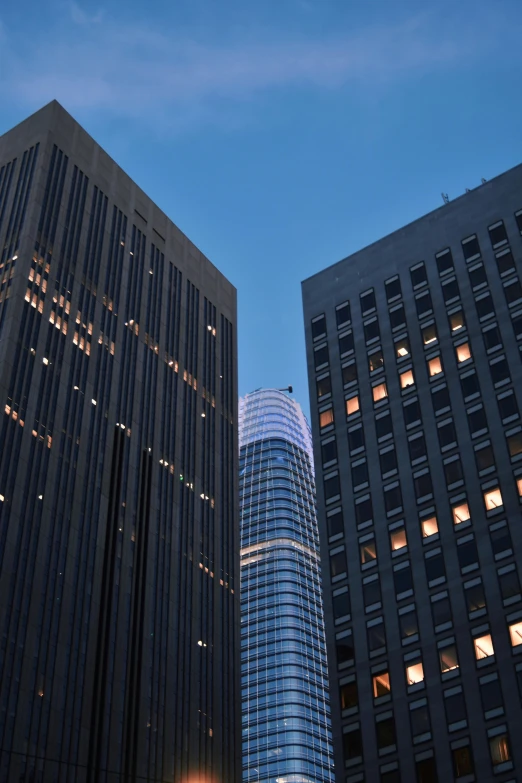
{"points": [[414, 360], [119, 537], [286, 709]]}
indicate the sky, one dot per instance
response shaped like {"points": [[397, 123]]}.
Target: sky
{"points": [[279, 135]]}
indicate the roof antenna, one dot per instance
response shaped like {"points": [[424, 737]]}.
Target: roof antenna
{"points": [[483, 180], [445, 198], [289, 389]]}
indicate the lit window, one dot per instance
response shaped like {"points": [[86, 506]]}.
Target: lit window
{"points": [[2, 498], [483, 646], [381, 685], [406, 379], [460, 513], [519, 486], [352, 405], [463, 352], [380, 392], [434, 366], [402, 348], [499, 749], [398, 539], [515, 632], [492, 499], [414, 673], [429, 334], [368, 552], [456, 321], [429, 527], [448, 658], [326, 417]]}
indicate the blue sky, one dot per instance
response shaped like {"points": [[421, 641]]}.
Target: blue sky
{"points": [[280, 135]]}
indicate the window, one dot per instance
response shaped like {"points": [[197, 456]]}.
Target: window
{"points": [[393, 289], [367, 302], [483, 646], [392, 498], [475, 597], [383, 426], [342, 314], [412, 413], [414, 673], [463, 761], [450, 291], [477, 421], [420, 720], [402, 348], [338, 564], [423, 486], [372, 593], [393, 776], [455, 707], [388, 461], [518, 218], [335, 522], [448, 658], [376, 637], [435, 568], [417, 447], [403, 580], [385, 730], [501, 543], [492, 338], [456, 321], [318, 327], [499, 371], [341, 605], [355, 439], [447, 434], [493, 499], [441, 400], [484, 305], [429, 334], [352, 744], [434, 366], [463, 352], [485, 458], [332, 487], [444, 261], [406, 379], [371, 330], [426, 771], [505, 262], [499, 749], [326, 417], [349, 696], [364, 511], [507, 406], [344, 651], [398, 539], [381, 685], [515, 634], [453, 472], [321, 356], [519, 487], [470, 385], [497, 234], [460, 513], [429, 526], [349, 372], [397, 317], [380, 392], [517, 325], [352, 405], [467, 554], [470, 247], [408, 624], [441, 612], [491, 694], [375, 361], [360, 474], [368, 552], [423, 304], [418, 275], [478, 277], [324, 386], [329, 451], [514, 444], [346, 343]]}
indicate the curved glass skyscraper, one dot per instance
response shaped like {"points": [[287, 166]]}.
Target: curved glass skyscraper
{"points": [[286, 711]]}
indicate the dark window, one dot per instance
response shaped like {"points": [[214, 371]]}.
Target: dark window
{"points": [[367, 301], [429, 334], [411, 413], [359, 474], [514, 444], [435, 567], [475, 597], [484, 306], [500, 371], [321, 356], [444, 261], [408, 624], [346, 343], [471, 247], [392, 498], [485, 458], [329, 451], [463, 761], [497, 234], [513, 292], [478, 276], [518, 218], [441, 611], [426, 771], [418, 275], [348, 695], [356, 439], [423, 485], [318, 327], [397, 317], [393, 288], [424, 304], [388, 461], [341, 605], [499, 749], [470, 385], [492, 338], [352, 744], [505, 262], [453, 472], [349, 373], [371, 330], [450, 291], [509, 584], [417, 447], [447, 434], [420, 721], [376, 637], [440, 399], [364, 511], [375, 361], [507, 406], [324, 386], [477, 421], [455, 707], [394, 776], [491, 695], [385, 733], [456, 322], [500, 540], [343, 315], [338, 564], [332, 487], [403, 580], [335, 523], [372, 593], [383, 426], [344, 652], [467, 554]]}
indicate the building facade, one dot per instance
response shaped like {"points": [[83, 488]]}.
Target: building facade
{"points": [[414, 360], [286, 711], [119, 537]]}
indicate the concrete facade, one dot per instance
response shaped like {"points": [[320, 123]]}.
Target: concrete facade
{"points": [[415, 388], [119, 532]]}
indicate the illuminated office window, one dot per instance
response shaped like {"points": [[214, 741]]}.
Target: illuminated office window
{"points": [[492, 499], [499, 749], [380, 392], [448, 658], [434, 366], [483, 646], [406, 379], [414, 673], [463, 352], [398, 539], [368, 552], [352, 405], [381, 685], [515, 633], [326, 417], [429, 527], [460, 513]]}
